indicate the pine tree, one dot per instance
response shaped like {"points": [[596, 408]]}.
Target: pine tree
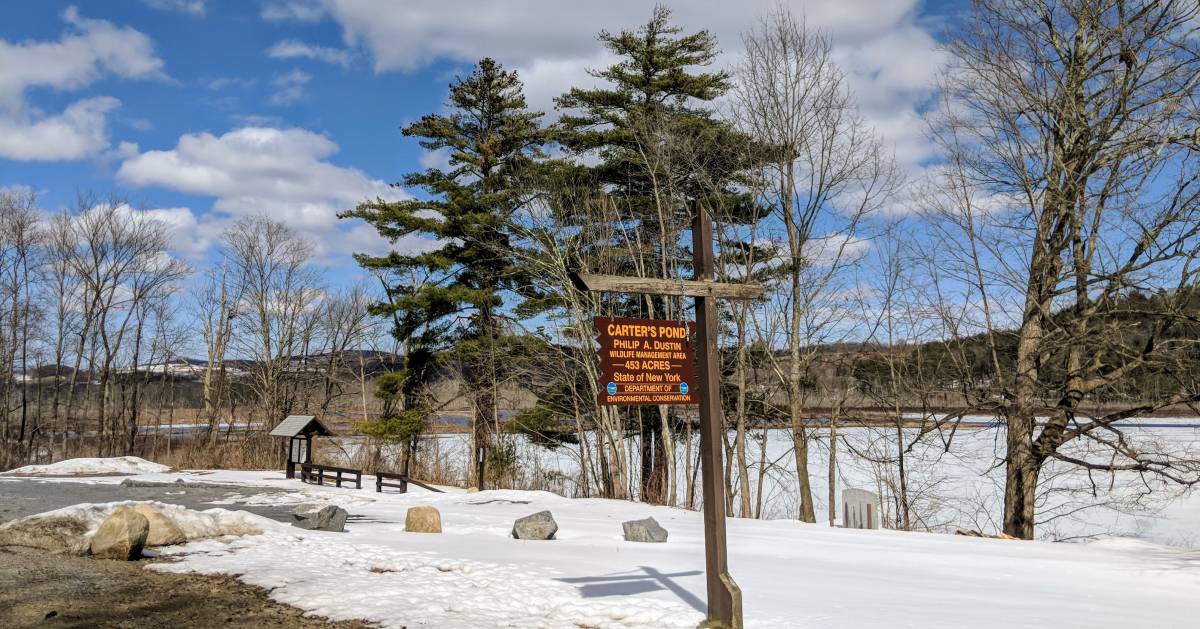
{"points": [[458, 304], [654, 97], [653, 132]]}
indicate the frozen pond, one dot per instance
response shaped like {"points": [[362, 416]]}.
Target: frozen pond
{"points": [[955, 480]]}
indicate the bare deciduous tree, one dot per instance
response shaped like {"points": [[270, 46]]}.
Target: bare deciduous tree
{"points": [[1071, 191], [20, 261], [826, 173], [216, 305], [276, 290]]}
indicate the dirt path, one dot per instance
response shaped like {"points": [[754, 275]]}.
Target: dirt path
{"points": [[39, 589]]}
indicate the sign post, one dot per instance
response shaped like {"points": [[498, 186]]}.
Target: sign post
{"points": [[644, 362]]}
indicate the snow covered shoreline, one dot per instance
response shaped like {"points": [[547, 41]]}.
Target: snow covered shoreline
{"points": [[792, 574], [961, 488]]}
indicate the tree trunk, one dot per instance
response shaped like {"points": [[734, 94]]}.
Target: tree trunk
{"points": [[804, 483], [689, 493], [832, 507], [485, 408], [666, 455], [905, 517], [1021, 476], [795, 367], [762, 473], [740, 419], [652, 459]]}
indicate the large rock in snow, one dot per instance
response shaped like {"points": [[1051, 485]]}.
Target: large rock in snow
{"points": [[648, 530], [540, 525], [163, 532], [318, 518], [122, 535], [65, 530], [423, 519], [63, 535]]}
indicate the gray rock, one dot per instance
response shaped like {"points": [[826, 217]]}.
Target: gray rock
{"points": [[648, 530], [318, 518], [121, 535], [55, 534], [540, 525]]}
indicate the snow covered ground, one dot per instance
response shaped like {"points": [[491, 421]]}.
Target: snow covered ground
{"points": [[791, 574]]}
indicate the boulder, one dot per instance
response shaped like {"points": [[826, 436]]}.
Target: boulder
{"points": [[540, 525], [423, 519], [55, 534], [648, 530], [163, 532], [121, 535], [318, 518]]}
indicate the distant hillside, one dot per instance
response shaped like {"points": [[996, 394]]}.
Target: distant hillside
{"points": [[1122, 329]]}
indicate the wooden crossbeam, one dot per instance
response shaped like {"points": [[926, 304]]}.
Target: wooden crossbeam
{"points": [[654, 286]]}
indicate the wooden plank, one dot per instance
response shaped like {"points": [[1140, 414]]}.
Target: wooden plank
{"points": [[333, 468], [380, 476], [423, 485], [656, 286]]}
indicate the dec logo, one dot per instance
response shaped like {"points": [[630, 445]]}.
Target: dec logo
{"points": [[612, 388]]}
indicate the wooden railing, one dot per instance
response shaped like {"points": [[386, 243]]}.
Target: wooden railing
{"points": [[316, 474], [381, 479]]}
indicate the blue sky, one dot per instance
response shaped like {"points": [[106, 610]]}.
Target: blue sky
{"points": [[207, 110]]}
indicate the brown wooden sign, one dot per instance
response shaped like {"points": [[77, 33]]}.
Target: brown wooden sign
{"points": [[646, 361]]}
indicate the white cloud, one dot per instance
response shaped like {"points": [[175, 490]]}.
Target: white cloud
{"points": [[223, 82], [835, 248], [293, 11], [257, 120], [89, 50], [293, 49], [289, 87], [284, 173], [187, 236], [189, 7], [439, 159], [890, 57], [78, 132], [16, 189]]}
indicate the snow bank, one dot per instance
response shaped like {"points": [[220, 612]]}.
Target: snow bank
{"points": [[194, 524], [91, 467]]}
